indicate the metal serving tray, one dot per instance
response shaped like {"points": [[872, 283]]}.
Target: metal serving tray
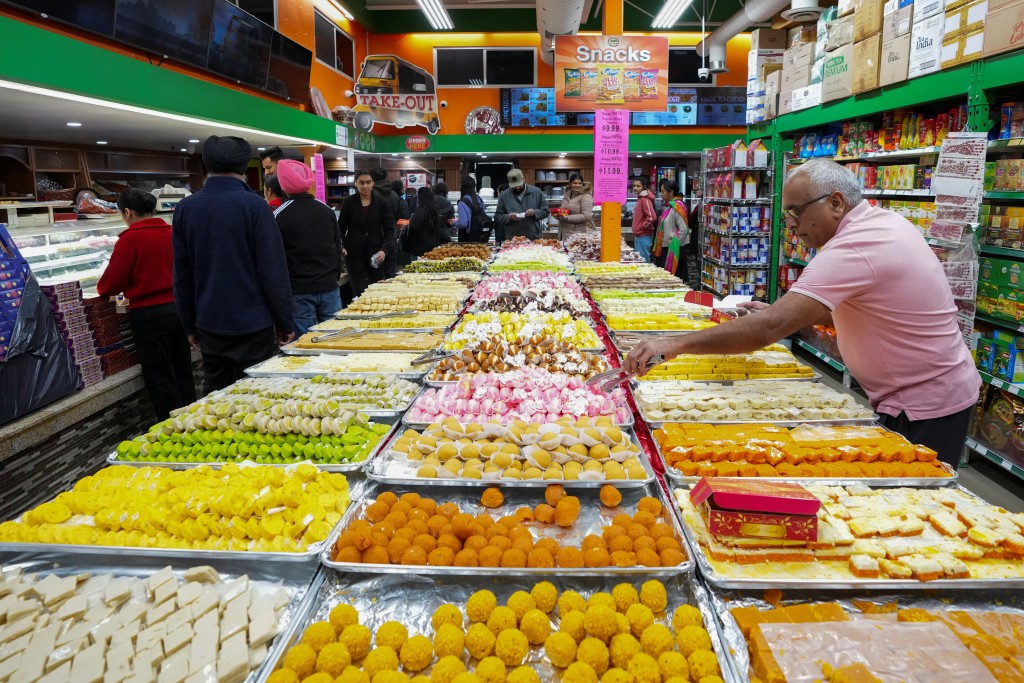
{"points": [[113, 458], [259, 370], [292, 350], [593, 516], [412, 599], [394, 469], [736, 645], [727, 382], [302, 584], [676, 477], [631, 422], [784, 581], [855, 421]]}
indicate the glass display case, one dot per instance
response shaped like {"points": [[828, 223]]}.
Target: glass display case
{"points": [[73, 250]]}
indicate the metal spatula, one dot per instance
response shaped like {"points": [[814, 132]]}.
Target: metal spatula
{"points": [[606, 381]]}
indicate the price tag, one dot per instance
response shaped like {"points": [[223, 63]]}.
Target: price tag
{"points": [[1006, 464], [611, 155], [321, 181]]}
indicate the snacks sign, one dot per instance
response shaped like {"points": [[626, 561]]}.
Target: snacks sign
{"points": [[611, 72]]}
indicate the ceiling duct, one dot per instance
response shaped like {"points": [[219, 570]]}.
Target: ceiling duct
{"points": [[557, 18], [753, 12]]}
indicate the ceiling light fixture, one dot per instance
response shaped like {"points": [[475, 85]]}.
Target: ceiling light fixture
{"points": [[183, 149], [260, 149], [101, 142], [341, 8], [194, 142], [74, 124], [95, 101], [407, 157], [436, 14], [670, 13]]}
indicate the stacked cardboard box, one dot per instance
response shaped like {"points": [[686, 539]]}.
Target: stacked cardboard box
{"points": [[1002, 226], [108, 334], [765, 58], [1003, 26], [963, 37], [66, 300]]}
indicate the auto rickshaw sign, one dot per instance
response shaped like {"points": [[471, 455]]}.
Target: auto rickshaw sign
{"points": [[393, 92]]}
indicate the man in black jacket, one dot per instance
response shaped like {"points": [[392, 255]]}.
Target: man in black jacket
{"points": [[382, 186], [230, 272], [312, 243]]}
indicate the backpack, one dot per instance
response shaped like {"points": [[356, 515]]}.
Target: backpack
{"points": [[480, 224]]}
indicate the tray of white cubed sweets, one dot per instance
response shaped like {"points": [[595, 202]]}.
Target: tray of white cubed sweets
{"points": [[143, 621]]}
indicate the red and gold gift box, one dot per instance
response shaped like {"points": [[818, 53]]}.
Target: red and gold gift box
{"points": [[753, 509]]}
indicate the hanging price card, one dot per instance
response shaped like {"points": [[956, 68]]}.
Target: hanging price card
{"points": [[611, 155], [321, 181]]}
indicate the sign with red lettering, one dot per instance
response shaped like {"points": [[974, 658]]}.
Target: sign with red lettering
{"points": [[417, 143], [393, 92]]}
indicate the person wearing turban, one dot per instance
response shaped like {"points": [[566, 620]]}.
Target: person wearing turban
{"points": [[312, 245], [231, 282]]}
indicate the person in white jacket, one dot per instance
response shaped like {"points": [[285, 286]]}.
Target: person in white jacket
{"points": [[579, 202]]}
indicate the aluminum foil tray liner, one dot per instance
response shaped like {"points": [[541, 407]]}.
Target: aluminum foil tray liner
{"points": [[675, 476], [835, 576], [266, 369], [1002, 602], [393, 468], [301, 583], [592, 518], [412, 599]]}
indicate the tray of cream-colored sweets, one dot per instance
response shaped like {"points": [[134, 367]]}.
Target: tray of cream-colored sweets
{"points": [[89, 621], [863, 454], [394, 296], [851, 537], [782, 402], [578, 454], [353, 364], [474, 329], [365, 341], [412, 322]]}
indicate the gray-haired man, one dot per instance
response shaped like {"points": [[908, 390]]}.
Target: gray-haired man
{"points": [[522, 209]]}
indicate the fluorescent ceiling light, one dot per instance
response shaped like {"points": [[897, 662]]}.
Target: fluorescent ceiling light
{"points": [[183, 149], [74, 124], [341, 8], [95, 101], [670, 13], [194, 142], [436, 14], [101, 142]]}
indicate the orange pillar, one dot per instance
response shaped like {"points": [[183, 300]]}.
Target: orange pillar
{"points": [[611, 212]]}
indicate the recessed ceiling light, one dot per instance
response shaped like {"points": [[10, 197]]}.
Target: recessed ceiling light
{"points": [[101, 142], [183, 149], [407, 157], [261, 148], [483, 156], [639, 156], [74, 124], [194, 142], [650, 153], [394, 154]]}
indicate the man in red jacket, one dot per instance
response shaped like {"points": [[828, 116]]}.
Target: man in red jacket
{"points": [[644, 220]]}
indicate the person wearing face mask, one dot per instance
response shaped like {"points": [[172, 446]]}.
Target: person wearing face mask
{"points": [[367, 233], [644, 220], [876, 279], [522, 209], [580, 204], [141, 268]]}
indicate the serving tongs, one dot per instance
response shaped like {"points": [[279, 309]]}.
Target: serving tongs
{"points": [[350, 332], [428, 357], [608, 380], [374, 316]]}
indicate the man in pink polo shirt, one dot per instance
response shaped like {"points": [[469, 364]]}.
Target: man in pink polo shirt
{"points": [[877, 281]]}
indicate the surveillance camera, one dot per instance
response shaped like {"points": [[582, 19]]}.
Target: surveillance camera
{"points": [[444, 104], [704, 74]]}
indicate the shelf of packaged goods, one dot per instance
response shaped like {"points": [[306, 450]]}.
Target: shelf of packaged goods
{"points": [[746, 266], [1011, 145], [711, 289], [993, 250], [876, 156], [993, 320], [898, 193], [995, 457], [728, 233], [827, 359], [166, 174], [795, 261], [727, 169], [42, 266], [738, 202], [993, 194], [1015, 389]]}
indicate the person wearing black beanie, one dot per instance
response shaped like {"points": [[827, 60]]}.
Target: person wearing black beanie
{"points": [[231, 282]]}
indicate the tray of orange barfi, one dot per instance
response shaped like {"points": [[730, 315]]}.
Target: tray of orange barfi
{"points": [[850, 537], [825, 454], [961, 638]]}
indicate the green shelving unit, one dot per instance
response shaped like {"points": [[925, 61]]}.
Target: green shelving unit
{"points": [[1000, 322], [997, 458], [1001, 251], [1015, 389], [1004, 195]]}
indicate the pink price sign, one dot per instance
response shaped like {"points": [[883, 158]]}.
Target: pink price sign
{"points": [[611, 155], [321, 181]]}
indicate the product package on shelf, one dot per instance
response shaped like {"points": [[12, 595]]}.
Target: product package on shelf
{"points": [[36, 365], [66, 300]]}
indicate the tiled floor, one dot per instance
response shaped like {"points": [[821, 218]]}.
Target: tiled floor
{"points": [[980, 476]]}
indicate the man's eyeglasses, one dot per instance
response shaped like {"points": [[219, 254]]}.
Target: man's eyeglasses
{"points": [[794, 213]]}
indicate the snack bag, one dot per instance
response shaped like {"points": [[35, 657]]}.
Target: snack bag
{"points": [[573, 82], [631, 84], [648, 84], [609, 85], [588, 85]]}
